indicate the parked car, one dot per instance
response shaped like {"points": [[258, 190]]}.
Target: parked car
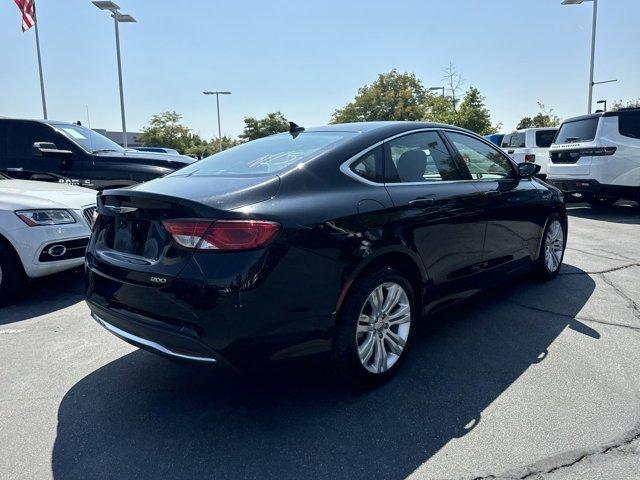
{"points": [[44, 229], [71, 153], [329, 240], [597, 157], [495, 138], [530, 145], [170, 151]]}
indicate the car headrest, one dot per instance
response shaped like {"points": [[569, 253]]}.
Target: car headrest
{"points": [[412, 165]]}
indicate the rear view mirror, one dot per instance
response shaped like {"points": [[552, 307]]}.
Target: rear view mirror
{"points": [[528, 169], [49, 149]]}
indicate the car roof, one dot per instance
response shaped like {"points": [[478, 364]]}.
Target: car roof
{"points": [[38, 120], [583, 117], [379, 127]]}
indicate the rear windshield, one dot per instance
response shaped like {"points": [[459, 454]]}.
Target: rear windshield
{"points": [[544, 138], [577, 131], [514, 140], [266, 155]]}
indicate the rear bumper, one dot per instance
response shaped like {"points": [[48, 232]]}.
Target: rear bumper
{"points": [[158, 337]]}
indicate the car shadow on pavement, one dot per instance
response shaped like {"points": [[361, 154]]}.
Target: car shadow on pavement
{"points": [[143, 417], [621, 212], [45, 295]]}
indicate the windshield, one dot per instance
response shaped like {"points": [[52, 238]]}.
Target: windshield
{"points": [[88, 139], [266, 155], [577, 131]]}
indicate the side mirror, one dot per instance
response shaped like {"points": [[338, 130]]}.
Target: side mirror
{"points": [[49, 149], [527, 169]]}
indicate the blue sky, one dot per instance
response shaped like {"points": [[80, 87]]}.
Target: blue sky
{"points": [[308, 58]]}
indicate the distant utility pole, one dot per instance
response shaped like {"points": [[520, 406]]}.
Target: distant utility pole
{"points": [[217, 94]]}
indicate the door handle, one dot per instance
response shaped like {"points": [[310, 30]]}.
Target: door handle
{"points": [[492, 193], [421, 201]]}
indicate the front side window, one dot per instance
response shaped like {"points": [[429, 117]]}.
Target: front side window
{"points": [[420, 157], [629, 124], [482, 160], [266, 155], [22, 135], [577, 131], [544, 138]]}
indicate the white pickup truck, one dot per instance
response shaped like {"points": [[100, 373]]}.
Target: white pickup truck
{"points": [[530, 145]]}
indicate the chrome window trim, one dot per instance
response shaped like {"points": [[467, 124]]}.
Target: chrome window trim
{"points": [[148, 343], [345, 167]]}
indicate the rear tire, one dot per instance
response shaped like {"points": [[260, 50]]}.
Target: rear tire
{"points": [[552, 247], [374, 328], [11, 275]]}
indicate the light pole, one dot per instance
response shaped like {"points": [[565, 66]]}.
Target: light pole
{"points": [[217, 94], [593, 42], [600, 102], [118, 18], [437, 88]]}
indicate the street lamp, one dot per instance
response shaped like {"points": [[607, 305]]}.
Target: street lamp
{"points": [[118, 18], [593, 42], [217, 94], [437, 88], [603, 102]]}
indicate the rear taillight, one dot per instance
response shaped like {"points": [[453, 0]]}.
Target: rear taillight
{"points": [[221, 235], [530, 157], [596, 152]]}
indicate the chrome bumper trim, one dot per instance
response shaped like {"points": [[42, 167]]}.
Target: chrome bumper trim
{"points": [[148, 343]]}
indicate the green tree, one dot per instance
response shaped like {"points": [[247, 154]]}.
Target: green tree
{"points": [[205, 149], [629, 104], [257, 128], [544, 118], [392, 96], [165, 130], [473, 114]]}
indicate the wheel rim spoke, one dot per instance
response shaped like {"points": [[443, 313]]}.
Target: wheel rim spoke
{"points": [[383, 327], [554, 246]]}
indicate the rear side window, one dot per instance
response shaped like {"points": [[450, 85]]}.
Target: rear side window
{"points": [[420, 157], [578, 131], [514, 140], [369, 166], [544, 138], [629, 124]]}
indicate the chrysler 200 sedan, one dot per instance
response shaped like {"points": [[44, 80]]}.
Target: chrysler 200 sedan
{"points": [[331, 240]]}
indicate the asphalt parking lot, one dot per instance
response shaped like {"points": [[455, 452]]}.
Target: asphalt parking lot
{"points": [[532, 380]]}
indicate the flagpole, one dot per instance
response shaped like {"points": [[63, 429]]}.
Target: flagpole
{"points": [[44, 102]]}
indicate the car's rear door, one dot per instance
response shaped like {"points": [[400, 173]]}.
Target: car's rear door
{"points": [[437, 211], [515, 216]]}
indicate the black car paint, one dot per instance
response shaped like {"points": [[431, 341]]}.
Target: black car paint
{"points": [[282, 301], [99, 170]]}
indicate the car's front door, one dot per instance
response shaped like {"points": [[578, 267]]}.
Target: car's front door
{"points": [[25, 162], [513, 204], [436, 211]]}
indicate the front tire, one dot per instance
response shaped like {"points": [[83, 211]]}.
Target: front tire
{"points": [[11, 275], [552, 248], [600, 201], [374, 329]]}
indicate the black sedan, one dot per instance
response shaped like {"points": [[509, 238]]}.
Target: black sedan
{"points": [[332, 240]]}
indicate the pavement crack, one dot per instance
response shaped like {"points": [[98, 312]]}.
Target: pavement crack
{"points": [[633, 305], [572, 317], [619, 259], [599, 272]]}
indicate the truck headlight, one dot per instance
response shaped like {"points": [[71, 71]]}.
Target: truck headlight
{"points": [[35, 218]]}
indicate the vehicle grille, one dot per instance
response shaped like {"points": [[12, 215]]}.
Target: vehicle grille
{"points": [[87, 213]]}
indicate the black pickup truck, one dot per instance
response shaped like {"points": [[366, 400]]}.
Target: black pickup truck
{"points": [[71, 153]]}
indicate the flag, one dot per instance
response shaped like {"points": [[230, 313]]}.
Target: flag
{"points": [[28, 10]]}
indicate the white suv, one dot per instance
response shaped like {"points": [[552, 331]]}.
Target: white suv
{"points": [[44, 229], [597, 157], [530, 145]]}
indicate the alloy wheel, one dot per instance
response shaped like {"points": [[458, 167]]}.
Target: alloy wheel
{"points": [[383, 327], [554, 246]]}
